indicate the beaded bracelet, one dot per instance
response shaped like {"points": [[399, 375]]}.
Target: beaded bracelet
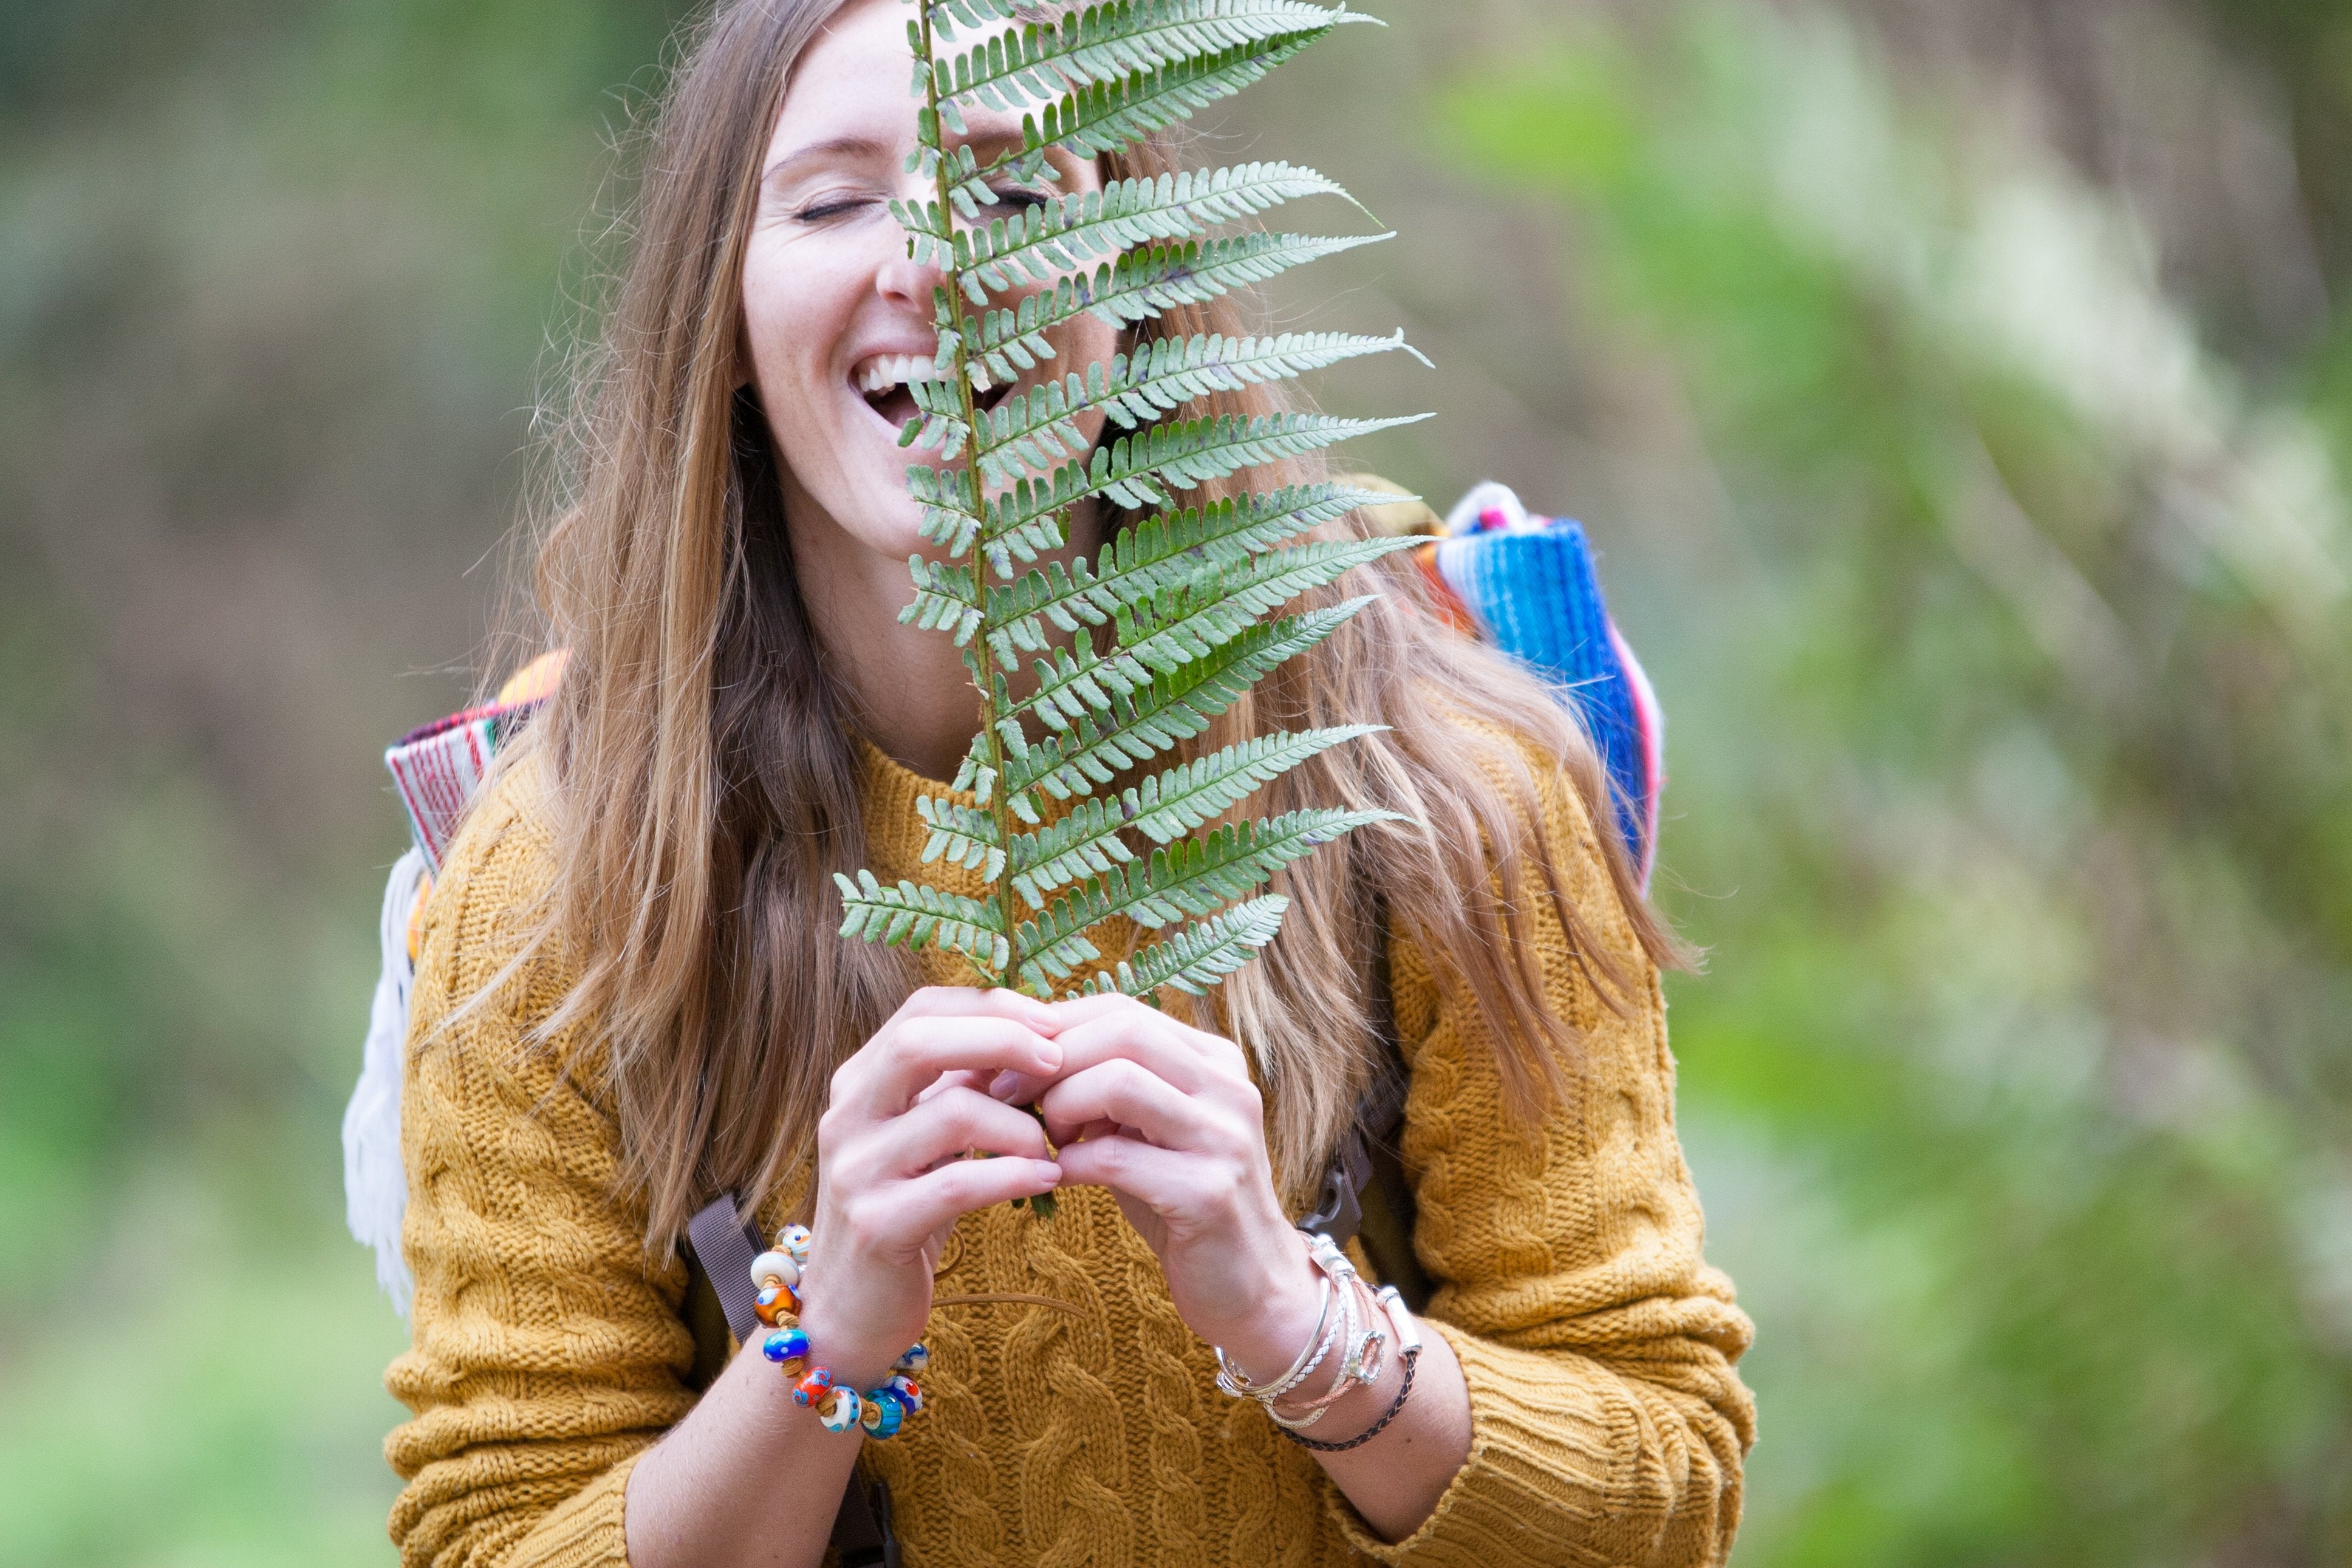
{"points": [[778, 1276]]}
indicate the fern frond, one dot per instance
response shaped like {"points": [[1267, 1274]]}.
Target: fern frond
{"points": [[1186, 602], [911, 915], [1172, 708], [1104, 43], [1008, 340], [1195, 957], [1031, 430], [1104, 117], [1216, 607], [1191, 876], [1163, 808], [1130, 471], [963, 836], [1171, 804], [1062, 234], [1163, 552]]}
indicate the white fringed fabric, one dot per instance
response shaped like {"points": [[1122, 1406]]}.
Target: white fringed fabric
{"points": [[375, 1184]]}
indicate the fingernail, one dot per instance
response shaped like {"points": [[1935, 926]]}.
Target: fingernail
{"points": [[1002, 1086]]}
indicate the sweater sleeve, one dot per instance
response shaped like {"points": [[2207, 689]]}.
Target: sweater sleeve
{"points": [[1607, 1424], [547, 1355]]}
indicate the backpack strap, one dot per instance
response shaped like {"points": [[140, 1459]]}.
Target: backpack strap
{"points": [[1365, 1197]]}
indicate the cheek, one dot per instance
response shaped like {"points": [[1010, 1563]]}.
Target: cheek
{"points": [[783, 308]]}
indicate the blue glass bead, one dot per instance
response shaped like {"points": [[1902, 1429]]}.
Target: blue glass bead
{"points": [[910, 1395], [786, 1345], [883, 1413], [915, 1360]]}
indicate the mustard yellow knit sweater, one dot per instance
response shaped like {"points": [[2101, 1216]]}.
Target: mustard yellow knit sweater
{"points": [[1608, 1425]]}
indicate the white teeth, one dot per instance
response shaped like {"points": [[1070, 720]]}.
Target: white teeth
{"points": [[884, 371]]}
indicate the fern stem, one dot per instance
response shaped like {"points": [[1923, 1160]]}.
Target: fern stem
{"points": [[951, 285]]}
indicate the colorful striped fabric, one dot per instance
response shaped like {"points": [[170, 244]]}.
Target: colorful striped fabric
{"points": [[437, 769], [1527, 584]]}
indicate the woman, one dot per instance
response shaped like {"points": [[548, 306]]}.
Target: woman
{"points": [[630, 997]]}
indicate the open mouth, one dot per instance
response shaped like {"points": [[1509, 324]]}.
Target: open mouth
{"points": [[884, 382]]}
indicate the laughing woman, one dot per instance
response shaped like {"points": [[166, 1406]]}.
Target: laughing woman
{"points": [[630, 997]]}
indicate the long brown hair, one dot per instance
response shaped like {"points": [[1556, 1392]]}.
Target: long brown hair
{"points": [[706, 770]]}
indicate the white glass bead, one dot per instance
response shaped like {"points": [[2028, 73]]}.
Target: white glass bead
{"points": [[837, 1411], [775, 1266]]}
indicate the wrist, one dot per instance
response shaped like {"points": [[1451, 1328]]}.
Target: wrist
{"points": [[1283, 1316], [856, 1361]]}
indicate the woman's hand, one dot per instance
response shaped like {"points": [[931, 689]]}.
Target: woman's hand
{"points": [[892, 1171], [1166, 1117]]}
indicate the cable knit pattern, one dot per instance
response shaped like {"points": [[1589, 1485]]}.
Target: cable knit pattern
{"points": [[1608, 1425]]}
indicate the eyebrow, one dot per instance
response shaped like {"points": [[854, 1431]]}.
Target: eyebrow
{"points": [[983, 144], [835, 147]]}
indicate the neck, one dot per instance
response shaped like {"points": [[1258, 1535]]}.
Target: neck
{"points": [[908, 688]]}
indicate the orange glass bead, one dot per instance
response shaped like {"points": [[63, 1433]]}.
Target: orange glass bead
{"points": [[774, 1304]]}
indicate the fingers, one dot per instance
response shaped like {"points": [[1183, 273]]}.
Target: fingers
{"points": [[1167, 1181], [897, 1219], [941, 1029], [955, 1123], [1129, 1094], [1102, 1028], [931, 1202]]}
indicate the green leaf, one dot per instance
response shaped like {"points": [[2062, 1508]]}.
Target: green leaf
{"points": [[1163, 808], [1163, 552], [961, 835], [1191, 876], [1142, 724], [1186, 591], [1171, 804], [911, 915], [1104, 43], [1217, 605], [1084, 842], [1137, 286], [947, 599], [1062, 235], [1032, 430], [1104, 117], [1195, 957], [1130, 470]]}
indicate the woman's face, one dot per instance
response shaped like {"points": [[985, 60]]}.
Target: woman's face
{"points": [[837, 318]]}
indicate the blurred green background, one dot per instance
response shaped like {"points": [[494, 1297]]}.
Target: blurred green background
{"points": [[1955, 389]]}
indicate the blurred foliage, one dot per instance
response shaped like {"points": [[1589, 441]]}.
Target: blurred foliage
{"points": [[1955, 389], [2024, 727]]}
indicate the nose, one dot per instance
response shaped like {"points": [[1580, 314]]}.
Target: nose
{"points": [[908, 284]]}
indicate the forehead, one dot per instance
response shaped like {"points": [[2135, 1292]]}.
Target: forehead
{"points": [[853, 81]]}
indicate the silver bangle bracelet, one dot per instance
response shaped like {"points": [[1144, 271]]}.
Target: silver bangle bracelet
{"points": [[1233, 1380]]}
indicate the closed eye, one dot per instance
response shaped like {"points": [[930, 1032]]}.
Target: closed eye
{"points": [[817, 212]]}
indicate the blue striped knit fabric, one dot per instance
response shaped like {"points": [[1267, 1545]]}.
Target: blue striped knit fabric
{"points": [[1531, 583]]}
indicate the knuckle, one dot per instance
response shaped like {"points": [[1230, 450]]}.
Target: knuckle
{"points": [[864, 1225]]}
